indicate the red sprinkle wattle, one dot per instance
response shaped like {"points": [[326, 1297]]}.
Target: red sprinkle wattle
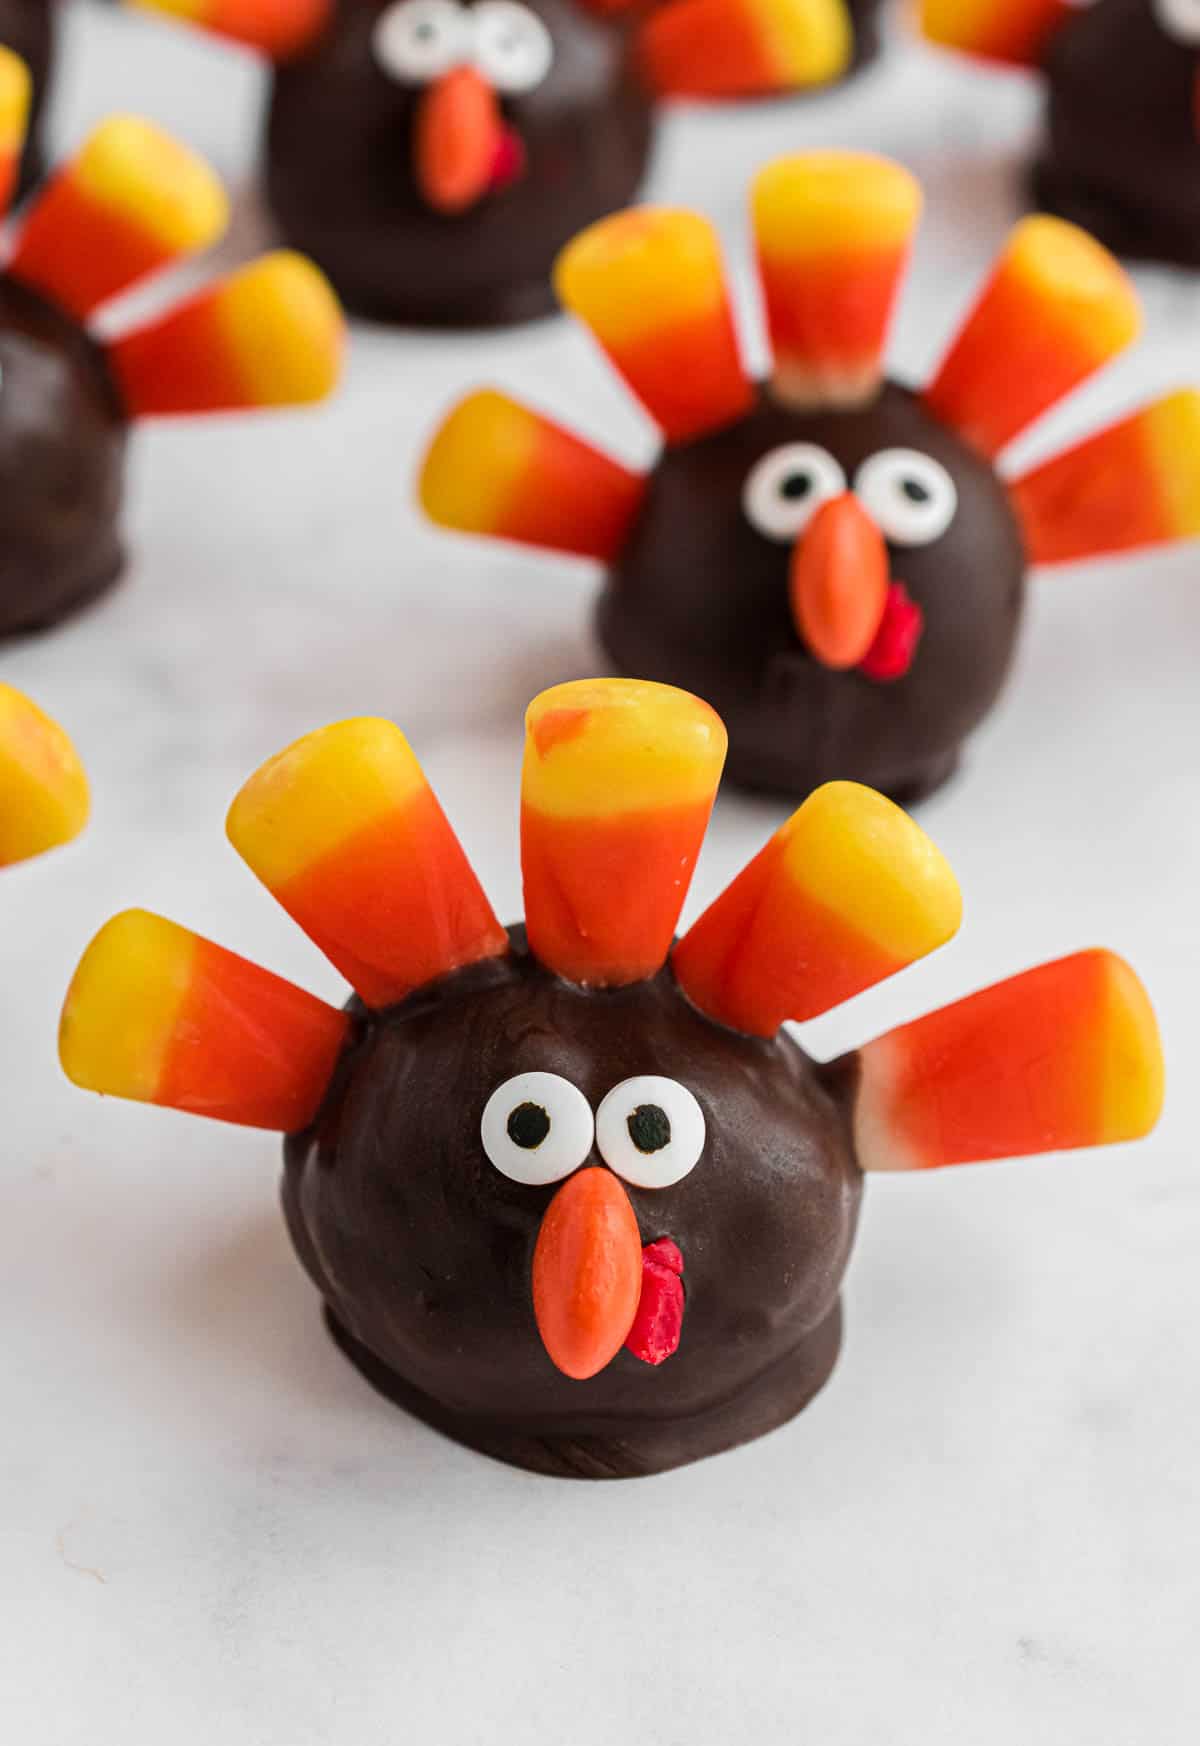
{"points": [[658, 1323], [891, 654]]}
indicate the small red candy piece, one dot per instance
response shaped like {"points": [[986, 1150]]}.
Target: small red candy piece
{"points": [[891, 654], [509, 163], [658, 1323]]}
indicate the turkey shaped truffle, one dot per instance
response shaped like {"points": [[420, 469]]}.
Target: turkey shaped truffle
{"points": [[1122, 148], [129, 204], [435, 155], [570, 1193], [832, 559]]}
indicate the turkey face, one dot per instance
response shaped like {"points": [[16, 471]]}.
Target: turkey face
{"points": [[844, 586], [434, 157]]}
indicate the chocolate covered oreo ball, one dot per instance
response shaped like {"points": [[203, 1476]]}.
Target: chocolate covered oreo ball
{"points": [[568, 1191], [836, 560]]}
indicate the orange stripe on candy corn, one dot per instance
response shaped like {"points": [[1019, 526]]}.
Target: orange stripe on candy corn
{"points": [[129, 203], [496, 468], [44, 797], [345, 832], [848, 892], [737, 48], [271, 334], [618, 784], [834, 232], [650, 285], [16, 91], [277, 28], [1018, 31], [1135, 484], [1064, 1056], [159, 1015], [1055, 310]]}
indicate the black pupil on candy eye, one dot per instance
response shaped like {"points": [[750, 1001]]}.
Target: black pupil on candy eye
{"points": [[650, 1127], [915, 491], [528, 1126], [796, 486]]}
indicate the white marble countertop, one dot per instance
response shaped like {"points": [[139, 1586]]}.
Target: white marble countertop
{"points": [[985, 1529]]}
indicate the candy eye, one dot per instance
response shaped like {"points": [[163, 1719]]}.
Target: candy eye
{"points": [[787, 487], [537, 1128], [419, 40], [1180, 19], [910, 495], [513, 48], [650, 1131]]}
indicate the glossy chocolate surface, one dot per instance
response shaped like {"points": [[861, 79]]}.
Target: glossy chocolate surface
{"points": [[62, 454], [700, 599], [1122, 157], [423, 1250], [340, 174]]}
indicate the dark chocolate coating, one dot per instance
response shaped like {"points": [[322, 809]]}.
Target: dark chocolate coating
{"points": [[27, 27], [699, 599], [62, 456], [423, 1250], [1122, 156], [340, 173]]}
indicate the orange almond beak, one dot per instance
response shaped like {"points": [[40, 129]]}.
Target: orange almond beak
{"points": [[459, 134], [587, 1273], [839, 583]]}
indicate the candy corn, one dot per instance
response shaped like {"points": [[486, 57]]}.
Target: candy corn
{"points": [[278, 28], [16, 90], [834, 231], [1135, 484], [1066, 1055], [271, 334], [587, 1273], [157, 1014], [345, 832], [618, 784], [1056, 309], [129, 203], [846, 893], [497, 468], [997, 30], [738, 48], [43, 789], [650, 285]]}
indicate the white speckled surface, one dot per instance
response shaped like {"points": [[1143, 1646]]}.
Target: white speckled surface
{"points": [[213, 1534]]}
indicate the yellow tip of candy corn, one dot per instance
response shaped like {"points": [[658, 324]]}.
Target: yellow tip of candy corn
{"points": [[285, 327], [828, 202], [16, 91], [600, 747], [848, 892], [133, 168], [44, 799], [121, 1007]]}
